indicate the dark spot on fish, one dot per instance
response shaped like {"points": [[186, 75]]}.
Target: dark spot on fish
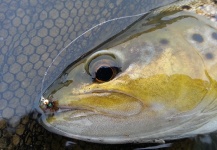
{"points": [[164, 41], [197, 37], [209, 55], [214, 35], [186, 7]]}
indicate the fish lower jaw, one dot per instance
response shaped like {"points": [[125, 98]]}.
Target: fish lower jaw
{"points": [[81, 123]]}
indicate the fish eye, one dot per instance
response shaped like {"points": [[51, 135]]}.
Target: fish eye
{"points": [[105, 73], [103, 68]]}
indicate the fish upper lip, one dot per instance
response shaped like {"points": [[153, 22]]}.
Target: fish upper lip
{"points": [[110, 91], [70, 108], [64, 108]]}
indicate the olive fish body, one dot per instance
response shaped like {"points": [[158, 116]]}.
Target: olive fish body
{"points": [[156, 80]]}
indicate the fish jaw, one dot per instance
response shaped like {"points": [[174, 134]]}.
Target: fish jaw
{"points": [[158, 113]]}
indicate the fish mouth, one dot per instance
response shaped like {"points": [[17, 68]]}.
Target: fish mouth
{"points": [[110, 103]]}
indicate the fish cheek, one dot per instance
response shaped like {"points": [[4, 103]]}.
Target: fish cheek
{"points": [[78, 77], [175, 92]]}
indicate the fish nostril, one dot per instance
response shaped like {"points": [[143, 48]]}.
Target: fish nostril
{"points": [[186, 7], [197, 37]]}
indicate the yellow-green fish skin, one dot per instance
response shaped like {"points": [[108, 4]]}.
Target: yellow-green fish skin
{"points": [[166, 89]]}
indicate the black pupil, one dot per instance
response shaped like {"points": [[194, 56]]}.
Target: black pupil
{"points": [[104, 73]]}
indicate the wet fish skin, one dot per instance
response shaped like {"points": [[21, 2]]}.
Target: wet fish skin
{"points": [[161, 66], [31, 35]]}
